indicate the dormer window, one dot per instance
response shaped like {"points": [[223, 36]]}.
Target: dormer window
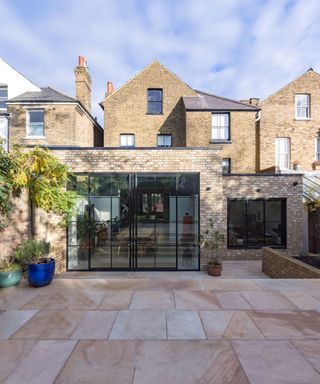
{"points": [[3, 96], [302, 106], [155, 101]]}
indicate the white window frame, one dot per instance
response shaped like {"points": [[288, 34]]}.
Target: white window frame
{"points": [[282, 157], [305, 107], [220, 132], [317, 148], [167, 140], [28, 134], [124, 140]]}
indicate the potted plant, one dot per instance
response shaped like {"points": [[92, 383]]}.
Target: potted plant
{"points": [[31, 256], [211, 242], [10, 273], [296, 165]]}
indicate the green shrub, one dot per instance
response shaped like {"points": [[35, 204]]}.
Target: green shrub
{"points": [[31, 251], [9, 267]]}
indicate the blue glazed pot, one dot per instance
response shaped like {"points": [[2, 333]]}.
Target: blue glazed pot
{"points": [[42, 274]]}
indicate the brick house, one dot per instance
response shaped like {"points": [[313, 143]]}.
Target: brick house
{"points": [[175, 161], [289, 126], [289, 141], [44, 116]]}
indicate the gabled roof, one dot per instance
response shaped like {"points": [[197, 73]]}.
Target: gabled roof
{"points": [[310, 71], [50, 95], [152, 64], [46, 94], [208, 102]]}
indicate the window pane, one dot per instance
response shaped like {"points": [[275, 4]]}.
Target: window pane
{"points": [[164, 140], [220, 126], [225, 165], [35, 130], [151, 95], [255, 223], [158, 94], [154, 107], [283, 153], [36, 116], [4, 92], [237, 222], [127, 140], [274, 227]]}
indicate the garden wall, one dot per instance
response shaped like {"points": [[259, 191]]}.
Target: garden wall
{"points": [[278, 265]]}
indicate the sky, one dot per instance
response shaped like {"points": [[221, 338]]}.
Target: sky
{"points": [[233, 48]]}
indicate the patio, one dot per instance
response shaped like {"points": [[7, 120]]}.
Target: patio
{"points": [[162, 327]]}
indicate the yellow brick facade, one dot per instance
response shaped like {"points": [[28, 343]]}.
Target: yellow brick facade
{"points": [[125, 111], [241, 149], [278, 120], [64, 124]]}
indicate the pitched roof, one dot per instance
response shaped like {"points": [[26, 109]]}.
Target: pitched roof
{"points": [[208, 102], [46, 94]]}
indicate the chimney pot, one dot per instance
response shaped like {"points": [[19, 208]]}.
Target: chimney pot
{"points": [[110, 87], [82, 61]]}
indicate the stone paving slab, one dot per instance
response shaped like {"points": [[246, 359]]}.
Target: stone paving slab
{"points": [[151, 328]]}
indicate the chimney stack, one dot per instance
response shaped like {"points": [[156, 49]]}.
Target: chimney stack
{"points": [[83, 83], [110, 88]]}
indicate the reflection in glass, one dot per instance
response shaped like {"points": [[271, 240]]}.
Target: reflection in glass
{"points": [[151, 225], [257, 223]]}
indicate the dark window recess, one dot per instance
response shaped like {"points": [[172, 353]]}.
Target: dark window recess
{"points": [[3, 96], [257, 223], [154, 101], [226, 166]]}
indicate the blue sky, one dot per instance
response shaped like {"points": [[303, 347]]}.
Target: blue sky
{"points": [[235, 48]]}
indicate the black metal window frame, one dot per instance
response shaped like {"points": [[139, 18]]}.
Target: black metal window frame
{"points": [[245, 223], [133, 188], [154, 102]]}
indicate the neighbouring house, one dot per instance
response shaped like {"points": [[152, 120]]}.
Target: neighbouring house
{"points": [[174, 159], [289, 141], [44, 116], [289, 126]]}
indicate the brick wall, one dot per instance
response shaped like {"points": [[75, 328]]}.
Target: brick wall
{"points": [[241, 149], [278, 120], [207, 162], [64, 124], [125, 111], [278, 265], [214, 191], [277, 186]]}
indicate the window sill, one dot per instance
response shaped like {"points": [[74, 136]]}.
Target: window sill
{"points": [[220, 142], [303, 119], [154, 114], [34, 137]]}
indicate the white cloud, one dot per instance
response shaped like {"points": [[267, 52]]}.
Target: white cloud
{"points": [[237, 48]]}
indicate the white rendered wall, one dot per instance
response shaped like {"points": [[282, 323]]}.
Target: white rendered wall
{"points": [[17, 84]]}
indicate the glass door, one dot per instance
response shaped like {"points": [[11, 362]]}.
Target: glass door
{"points": [[135, 222]]}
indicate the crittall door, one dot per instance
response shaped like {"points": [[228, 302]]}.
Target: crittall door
{"points": [[135, 222]]}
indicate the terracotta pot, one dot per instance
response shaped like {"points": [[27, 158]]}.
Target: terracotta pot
{"points": [[214, 269]]}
